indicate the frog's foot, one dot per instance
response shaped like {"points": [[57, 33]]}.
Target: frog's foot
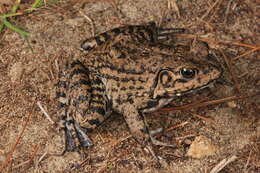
{"points": [[75, 136], [84, 140]]}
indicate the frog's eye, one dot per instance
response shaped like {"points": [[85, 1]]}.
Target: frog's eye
{"points": [[188, 73]]}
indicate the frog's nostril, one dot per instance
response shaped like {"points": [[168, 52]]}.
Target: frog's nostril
{"points": [[207, 70]]}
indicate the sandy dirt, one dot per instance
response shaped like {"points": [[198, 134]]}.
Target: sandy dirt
{"points": [[29, 70]]}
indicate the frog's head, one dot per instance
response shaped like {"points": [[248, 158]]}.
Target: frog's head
{"points": [[184, 78]]}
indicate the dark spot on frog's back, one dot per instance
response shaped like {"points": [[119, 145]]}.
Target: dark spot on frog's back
{"points": [[125, 80], [80, 83], [94, 121], [78, 71], [130, 100], [131, 87], [95, 89], [60, 94], [116, 31], [105, 36], [82, 98], [99, 110], [152, 103], [123, 89]]}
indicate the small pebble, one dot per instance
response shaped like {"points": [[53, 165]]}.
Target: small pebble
{"points": [[201, 147]]}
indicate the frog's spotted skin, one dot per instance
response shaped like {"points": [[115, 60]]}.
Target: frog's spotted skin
{"points": [[131, 71], [139, 33]]}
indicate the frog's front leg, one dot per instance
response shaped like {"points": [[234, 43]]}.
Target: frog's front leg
{"points": [[138, 127]]}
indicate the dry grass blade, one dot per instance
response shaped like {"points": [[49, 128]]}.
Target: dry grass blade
{"points": [[211, 8], [248, 159], [229, 65], [173, 4], [248, 52], [190, 36], [227, 11], [197, 105], [171, 128], [40, 159], [222, 164], [28, 161], [203, 118], [90, 21], [45, 113], [10, 154]]}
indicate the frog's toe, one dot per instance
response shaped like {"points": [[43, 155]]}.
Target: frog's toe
{"points": [[163, 33], [84, 140], [69, 137]]}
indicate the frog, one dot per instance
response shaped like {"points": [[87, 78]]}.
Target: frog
{"points": [[131, 70]]}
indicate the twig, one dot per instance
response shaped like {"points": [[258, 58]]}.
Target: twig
{"points": [[248, 52], [209, 10], [34, 153], [45, 113], [29, 160], [197, 105], [190, 36], [171, 128], [234, 77], [173, 4], [203, 118], [207, 24], [247, 162], [40, 159], [222, 164], [227, 11], [21, 164], [184, 137], [177, 126], [90, 21]]}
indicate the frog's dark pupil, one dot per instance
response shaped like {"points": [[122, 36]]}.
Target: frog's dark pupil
{"points": [[188, 73]]}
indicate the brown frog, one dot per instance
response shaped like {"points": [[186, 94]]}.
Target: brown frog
{"points": [[132, 71]]}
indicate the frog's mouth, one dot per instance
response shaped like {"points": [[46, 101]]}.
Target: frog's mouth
{"points": [[221, 81], [210, 85]]}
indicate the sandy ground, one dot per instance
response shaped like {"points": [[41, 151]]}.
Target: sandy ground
{"points": [[29, 69]]}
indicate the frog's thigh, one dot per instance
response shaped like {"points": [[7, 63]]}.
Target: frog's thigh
{"points": [[99, 107], [72, 97], [80, 86], [87, 94], [136, 124]]}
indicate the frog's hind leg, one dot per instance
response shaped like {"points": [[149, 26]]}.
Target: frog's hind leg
{"points": [[73, 97], [89, 105], [79, 94], [66, 122], [138, 33], [99, 108]]}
